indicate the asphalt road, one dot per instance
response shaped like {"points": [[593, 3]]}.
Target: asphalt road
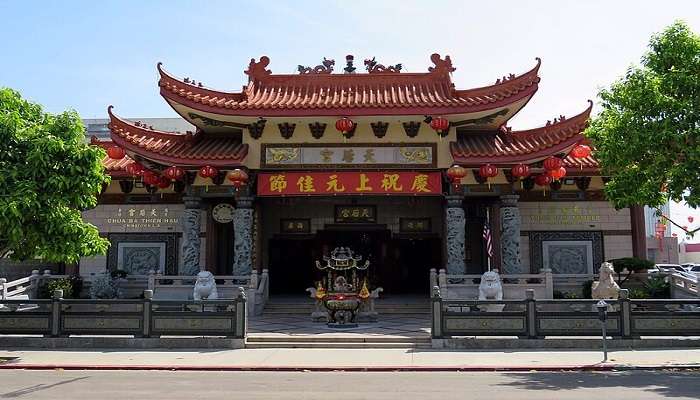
{"points": [[152, 385]]}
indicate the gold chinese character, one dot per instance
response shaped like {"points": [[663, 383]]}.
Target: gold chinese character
{"points": [[345, 213], [132, 212], [369, 156], [165, 212], [277, 183], [391, 182], [300, 226], [142, 213], [410, 224], [348, 155], [306, 184], [420, 183], [364, 180], [333, 185], [365, 212], [119, 213], [326, 155], [154, 213], [419, 224], [356, 213], [290, 226]]}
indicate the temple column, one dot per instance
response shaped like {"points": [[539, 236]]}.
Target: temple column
{"points": [[510, 235], [455, 220], [243, 236], [191, 228]]}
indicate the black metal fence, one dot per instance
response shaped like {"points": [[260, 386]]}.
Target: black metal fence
{"points": [[530, 318], [139, 318]]}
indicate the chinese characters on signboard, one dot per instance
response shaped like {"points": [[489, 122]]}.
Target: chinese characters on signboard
{"points": [[414, 225], [574, 215], [143, 217], [295, 225], [366, 214], [349, 183]]}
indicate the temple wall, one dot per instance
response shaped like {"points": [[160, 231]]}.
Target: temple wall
{"points": [[132, 223], [578, 222]]}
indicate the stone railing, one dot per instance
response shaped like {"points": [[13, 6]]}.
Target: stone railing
{"points": [[139, 317], [684, 286], [533, 318], [27, 287], [514, 286]]}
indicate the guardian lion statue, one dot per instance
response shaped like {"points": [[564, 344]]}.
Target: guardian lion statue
{"points": [[205, 287], [606, 287], [490, 287]]}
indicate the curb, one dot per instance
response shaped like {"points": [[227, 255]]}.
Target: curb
{"points": [[398, 368]]}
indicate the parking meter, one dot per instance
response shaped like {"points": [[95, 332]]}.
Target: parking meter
{"points": [[602, 307]]}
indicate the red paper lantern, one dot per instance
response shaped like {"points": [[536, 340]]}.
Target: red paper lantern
{"points": [[440, 124], [116, 153], [208, 171], [135, 169], [174, 173], [344, 125], [488, 171], [520, 171], [543, 180], [690, 219], [552, 163], [238, 177], [163, 182], [581, 151], [150, 178], [456, 173], [558, 173]]}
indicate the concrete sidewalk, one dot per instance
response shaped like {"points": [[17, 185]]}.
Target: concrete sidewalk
{"points": [[349, 359]]}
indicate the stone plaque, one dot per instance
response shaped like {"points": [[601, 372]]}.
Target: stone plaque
{"points": [[672, 324], [194, 325], [568, 257], [141, 257], [485, 324], [102, 323], [24, 323], [558, 239], [349, 156], [576, 324]]}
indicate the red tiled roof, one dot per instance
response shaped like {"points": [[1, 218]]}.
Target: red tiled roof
{"points": [[173, 148], [523, 146], [430, 93], [116, 168]]}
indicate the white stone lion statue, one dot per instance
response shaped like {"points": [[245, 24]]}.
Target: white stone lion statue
{"points": [[490, 287], [605, 287], [205, 287]]}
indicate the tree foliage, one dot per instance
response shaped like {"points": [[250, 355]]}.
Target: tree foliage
{"points": [[647, 136], [48, 175]]}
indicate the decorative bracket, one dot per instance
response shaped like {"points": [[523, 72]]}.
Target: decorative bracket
{"points": [[583, 182], [317, 129], [286, 129], [379, 128], [477, 176], [256, 128], [411, 128]]}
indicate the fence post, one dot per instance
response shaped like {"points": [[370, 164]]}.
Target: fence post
{"points": [[436, 314], [625, 313], [241, 314], [266, 280], [3, 289], [531, 313], [56, 312], [151, 281], [548, 283], [442, 282], [433, 278], [34, 283], [147, 308]]}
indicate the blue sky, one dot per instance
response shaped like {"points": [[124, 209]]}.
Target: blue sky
{"points": [[86, 55]]}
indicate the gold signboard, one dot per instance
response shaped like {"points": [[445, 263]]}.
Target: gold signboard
{"points": [[574, 215], [143, 217]]}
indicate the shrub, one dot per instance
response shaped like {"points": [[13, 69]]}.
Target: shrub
{"points": [[629, 264], [658, 287], [105, 287], [639, 293], [64, 284]]}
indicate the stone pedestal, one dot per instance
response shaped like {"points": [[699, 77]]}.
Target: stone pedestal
{"points": [[243, 236], [510, 236], [454, 219], [191, 244]]}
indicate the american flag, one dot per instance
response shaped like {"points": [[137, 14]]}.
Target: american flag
{"points": [[487, 240]]}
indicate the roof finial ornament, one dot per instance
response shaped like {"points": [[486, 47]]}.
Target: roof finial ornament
{"points": [[326, 67], [258, 70], [349, 68], [373, 66], [441, 66]]}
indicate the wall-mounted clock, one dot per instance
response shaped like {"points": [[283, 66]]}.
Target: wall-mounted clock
{"points": [[223, 213]]}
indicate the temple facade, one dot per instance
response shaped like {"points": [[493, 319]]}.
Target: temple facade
{"points": [[404, 168]]}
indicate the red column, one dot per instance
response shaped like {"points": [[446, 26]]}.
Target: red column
{"points": [[639, 239]]}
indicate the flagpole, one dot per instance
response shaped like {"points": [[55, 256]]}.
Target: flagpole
{"points": [[488, 256]]}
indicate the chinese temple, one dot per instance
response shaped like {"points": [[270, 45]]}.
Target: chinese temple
{"points": [[409, 171]]}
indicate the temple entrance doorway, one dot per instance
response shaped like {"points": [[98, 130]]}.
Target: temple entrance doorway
{"points": [[291, 265]]}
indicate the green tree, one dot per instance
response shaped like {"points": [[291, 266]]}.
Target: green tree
{"points": [[48, 174], [647, 136]]}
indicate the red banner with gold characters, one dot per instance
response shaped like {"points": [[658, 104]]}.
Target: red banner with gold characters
{"points": [[349, 183]]}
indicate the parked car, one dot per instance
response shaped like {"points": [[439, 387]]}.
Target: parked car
{"points": [[695, 268]]}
